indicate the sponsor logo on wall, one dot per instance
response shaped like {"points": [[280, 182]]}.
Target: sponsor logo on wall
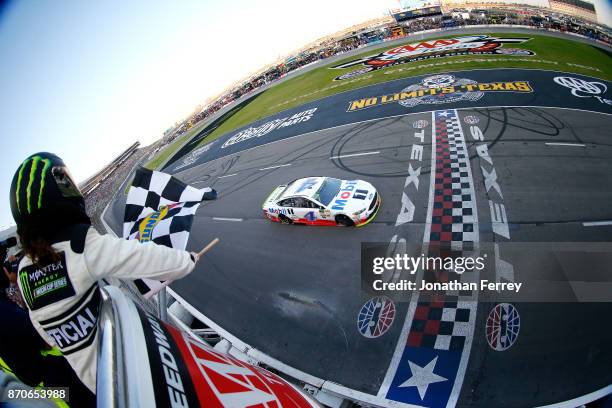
{"points": [[440, 89], [438, 48], [270, 126], [186, 372]]}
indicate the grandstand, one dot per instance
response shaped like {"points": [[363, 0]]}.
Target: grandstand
{"points": [[99, 189], [403, 22], [8, 232], [577, 8], [94, 181], [405, 15]]}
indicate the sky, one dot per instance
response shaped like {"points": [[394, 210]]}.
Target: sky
{"points": [[85, 80]]}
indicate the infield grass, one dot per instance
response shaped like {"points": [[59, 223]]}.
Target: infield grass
{"points": [[551, 53], [169, 150]]}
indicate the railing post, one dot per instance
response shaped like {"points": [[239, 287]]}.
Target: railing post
{"points": [[161, 304]]}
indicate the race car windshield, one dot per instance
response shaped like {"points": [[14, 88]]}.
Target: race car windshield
{"points": [[328, 190]]}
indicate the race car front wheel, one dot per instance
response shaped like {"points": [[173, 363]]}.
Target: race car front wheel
{"points": [[285, 220], [344, 220]]}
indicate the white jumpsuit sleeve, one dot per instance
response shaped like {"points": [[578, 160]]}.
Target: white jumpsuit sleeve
{"points": [[107, 256]]}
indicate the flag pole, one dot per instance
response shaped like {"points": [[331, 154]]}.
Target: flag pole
{"points": [[208, 247], [163, 286]]}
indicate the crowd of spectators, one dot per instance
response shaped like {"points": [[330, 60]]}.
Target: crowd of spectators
{"points": [[97, 199], [533, 17], [536, 18]]}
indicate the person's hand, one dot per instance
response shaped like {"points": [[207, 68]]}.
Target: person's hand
{"points": [[12, 277]]}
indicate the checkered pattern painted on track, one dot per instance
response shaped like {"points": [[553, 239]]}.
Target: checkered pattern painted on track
{"points": [[436, 339], [443, 323]]}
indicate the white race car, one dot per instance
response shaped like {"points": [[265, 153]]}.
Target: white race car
{"points": [[323, 201]]}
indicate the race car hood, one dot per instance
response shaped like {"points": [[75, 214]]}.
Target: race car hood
{"points": [[354, 195]]}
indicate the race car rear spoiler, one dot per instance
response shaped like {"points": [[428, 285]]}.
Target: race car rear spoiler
{"points": [[274, 195], [144, 362]]}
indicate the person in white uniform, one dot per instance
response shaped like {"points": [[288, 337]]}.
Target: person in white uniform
{"points": [[65, 258]]}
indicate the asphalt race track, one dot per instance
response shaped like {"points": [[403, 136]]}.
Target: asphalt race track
{"points": [[294, 292]]}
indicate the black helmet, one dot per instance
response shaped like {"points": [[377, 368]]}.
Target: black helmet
{"points": [[43, 192]]}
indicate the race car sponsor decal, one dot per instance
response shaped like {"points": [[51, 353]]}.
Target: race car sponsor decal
{"points": [[376, 317], [503, 326], [270, 126], [584, 89], [307, 184], [343, 196], [438, 48], [43, 285], [440, 89], [284, 211], [324, 213]]}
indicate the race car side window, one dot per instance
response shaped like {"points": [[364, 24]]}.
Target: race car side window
{"points": [[310, 204], [300, 202], [288, 202]]}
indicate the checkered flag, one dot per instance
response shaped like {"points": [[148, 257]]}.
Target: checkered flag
{"points": [[160, 208]]}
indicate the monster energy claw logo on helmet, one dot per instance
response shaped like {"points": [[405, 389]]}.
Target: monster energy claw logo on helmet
{"points": [[42, 181]]}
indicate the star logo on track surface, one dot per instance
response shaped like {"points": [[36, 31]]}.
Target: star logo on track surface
{"points": [[422, 377]]}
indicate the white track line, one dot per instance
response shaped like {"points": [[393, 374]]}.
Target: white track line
{"points": [[565, 144], [580, 401], [353, 155], [228, 175], [226, 219], [275, 167], [596, 223]]}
